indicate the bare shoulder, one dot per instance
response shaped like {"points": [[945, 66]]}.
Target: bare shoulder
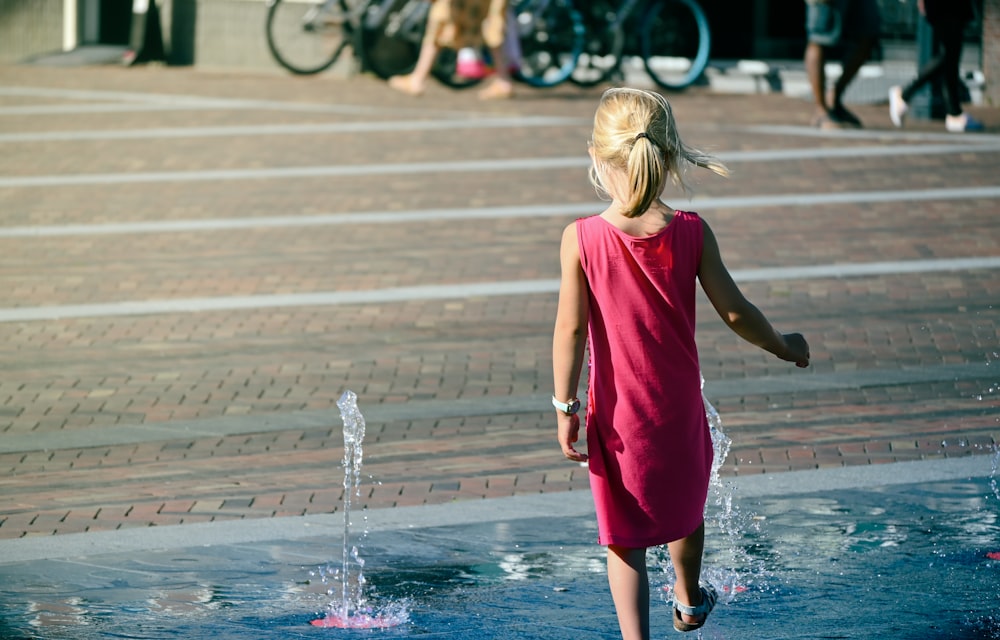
{"points": [[569, 233], [569, 248]]}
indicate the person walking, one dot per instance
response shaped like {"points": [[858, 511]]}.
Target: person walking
{"points": [[948, 20], [628, 282], [831, 24], [458, 24]]}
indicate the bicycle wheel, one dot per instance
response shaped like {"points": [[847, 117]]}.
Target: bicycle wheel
{"points": [[307, 36], [551, 37], [675, 43], [603, 43], [389, 36]]}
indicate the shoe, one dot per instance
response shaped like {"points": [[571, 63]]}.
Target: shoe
{"points": [[962, 123], [825, 121], [843, 117], [897, 106], [708, 598]]}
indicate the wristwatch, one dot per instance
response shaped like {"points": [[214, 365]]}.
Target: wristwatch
{"points": [[569, 408]]}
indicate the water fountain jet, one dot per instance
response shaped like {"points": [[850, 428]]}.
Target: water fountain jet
{"points": [[353, 610]]}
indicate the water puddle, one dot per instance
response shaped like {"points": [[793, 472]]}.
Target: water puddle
{"points": [[907, 562]]}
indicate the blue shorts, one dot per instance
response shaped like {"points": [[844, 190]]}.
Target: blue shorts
{"points": [[827, 23]]}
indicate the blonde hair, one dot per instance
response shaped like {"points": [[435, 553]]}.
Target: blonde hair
{"points": [[635, 133]]}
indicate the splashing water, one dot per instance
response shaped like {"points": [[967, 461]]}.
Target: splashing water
{"points": [[731, 569], [993, 472], [353, 611]]}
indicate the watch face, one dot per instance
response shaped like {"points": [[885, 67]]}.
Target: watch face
{"points": [[568, 408]]}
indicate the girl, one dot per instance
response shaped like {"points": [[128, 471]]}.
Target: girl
{"points": [[628, 280]]}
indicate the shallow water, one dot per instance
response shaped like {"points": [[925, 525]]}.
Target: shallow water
{"points": [[905, 562]]}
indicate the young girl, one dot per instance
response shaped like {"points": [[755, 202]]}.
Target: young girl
{"points": [[628, 280]]}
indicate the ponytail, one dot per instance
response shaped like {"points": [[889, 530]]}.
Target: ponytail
{"points": [[635, 133]]}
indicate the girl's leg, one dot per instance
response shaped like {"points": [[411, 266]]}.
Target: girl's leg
{"points": [[630, 590], [686, 556]]}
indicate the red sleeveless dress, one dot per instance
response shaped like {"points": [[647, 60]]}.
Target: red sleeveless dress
{"points": [[647, 435]]}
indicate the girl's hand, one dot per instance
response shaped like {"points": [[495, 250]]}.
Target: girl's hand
{"points": [[569, 432], [796, 350]]}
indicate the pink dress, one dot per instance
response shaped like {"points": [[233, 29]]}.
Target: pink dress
{"points": [[647, 434]]}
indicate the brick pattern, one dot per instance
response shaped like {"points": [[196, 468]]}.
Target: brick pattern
{"points": [[83, 375], [991, 51]]}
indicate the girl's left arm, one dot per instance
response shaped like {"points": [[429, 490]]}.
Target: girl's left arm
{"points": [[569, 339]]}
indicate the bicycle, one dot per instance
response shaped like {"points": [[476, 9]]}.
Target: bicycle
{"points": [[674, 41], [308, 36]]}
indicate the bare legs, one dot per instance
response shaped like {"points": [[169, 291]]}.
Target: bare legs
{"points": [[501, 85], [815, 61], [629, 582], [686, 555], [630, 590], [832, 109], [415, 82]]}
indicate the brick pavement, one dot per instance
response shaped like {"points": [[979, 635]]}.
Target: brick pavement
{"points": [[215, 378]]}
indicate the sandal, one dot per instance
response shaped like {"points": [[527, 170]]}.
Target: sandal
{"points": [[708, 599]]}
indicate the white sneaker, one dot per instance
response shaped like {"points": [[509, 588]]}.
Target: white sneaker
{"points": [[897, 106], [961, 123]]}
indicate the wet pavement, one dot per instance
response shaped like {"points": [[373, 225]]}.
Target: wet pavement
{"points": [[196, 265]]}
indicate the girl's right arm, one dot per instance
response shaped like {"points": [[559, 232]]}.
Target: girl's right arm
{"points": [[740, 314], [569, 339]]}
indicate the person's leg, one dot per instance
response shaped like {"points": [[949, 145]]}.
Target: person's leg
{"points": [[859, 54], [500, 86], [899, 97], [629, 584], [815, 62], [862, 25], [494, 30], [956, 119], [439, 25], [415, 82], [686, 555], [950, 35], [927, 73]]}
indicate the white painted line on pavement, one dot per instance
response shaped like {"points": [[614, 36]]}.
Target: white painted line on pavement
{"points": [[866, 134], [326, 171], [486, 213], [466, 290], [461, 166], [137, 101], [291, 129]]}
